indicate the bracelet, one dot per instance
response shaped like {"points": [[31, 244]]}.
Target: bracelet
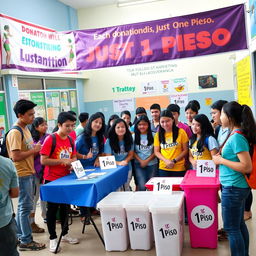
{"points": [[174, 160]]}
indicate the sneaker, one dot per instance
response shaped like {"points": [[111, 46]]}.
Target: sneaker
{"points": [[53, 245], [69, 239], [36, 228], [33, 246]]}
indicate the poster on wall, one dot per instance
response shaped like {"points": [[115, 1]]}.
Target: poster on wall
{"points": [[178, 85], [150, 87], [29, 47], [207, 81], [179, 99], [146, 102], [24, 95], [64, 101], [52, 108], [243, 76], [123, 104], [164, 86], [38, 98], [3, 115]]}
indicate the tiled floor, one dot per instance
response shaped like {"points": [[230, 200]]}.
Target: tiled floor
{"points": [[90, 244]]}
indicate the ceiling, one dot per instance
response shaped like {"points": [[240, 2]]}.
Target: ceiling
{"points": [[79, 4]]}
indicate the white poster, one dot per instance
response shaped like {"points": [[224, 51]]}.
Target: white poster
{"points": [[123, 104], [178, 85], [30, 47], [165, 84], [179, 99], [150, 87]]}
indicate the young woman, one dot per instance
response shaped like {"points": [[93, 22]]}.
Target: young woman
{"points": [[235, 163], [140, 111], [89, 146], [110, 123], [38, 131], [146, 163], [170, 147], [126, 115], [120, 144], [191, 110], [202, 145]]}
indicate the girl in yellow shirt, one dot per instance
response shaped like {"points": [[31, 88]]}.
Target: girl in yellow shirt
{"points": [[202, 145], [170, 147]]}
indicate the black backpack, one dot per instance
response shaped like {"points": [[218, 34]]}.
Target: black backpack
{"points": [[3, 148], [54, 143]]}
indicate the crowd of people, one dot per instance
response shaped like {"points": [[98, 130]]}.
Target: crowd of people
{"points": [[159, 145]]}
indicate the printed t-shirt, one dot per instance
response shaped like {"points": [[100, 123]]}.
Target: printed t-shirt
{"points": [[170, 150], [206, 154], [63, 150], [143, 150], [235, 144], [8, 180], [83, 148], [14, 141]]}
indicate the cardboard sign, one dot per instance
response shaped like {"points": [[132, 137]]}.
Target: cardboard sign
{"points": [[107, 162], [78, 168], [205, 168], [162, 185]]}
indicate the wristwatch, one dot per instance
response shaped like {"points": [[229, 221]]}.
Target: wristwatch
{"points": [[174, 160]]}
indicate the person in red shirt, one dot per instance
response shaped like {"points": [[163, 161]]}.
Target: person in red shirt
{"points": [[58, 164]]}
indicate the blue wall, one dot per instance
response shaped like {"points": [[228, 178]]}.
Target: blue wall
{"points": [[49, 13]]}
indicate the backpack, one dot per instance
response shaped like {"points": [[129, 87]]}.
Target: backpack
{"points": [[251, 177], [54, 143], [3, 147]]}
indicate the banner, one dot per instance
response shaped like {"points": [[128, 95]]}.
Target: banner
{"points": [[192, 35], [29, 47]]}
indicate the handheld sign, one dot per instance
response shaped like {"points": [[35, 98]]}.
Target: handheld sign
{"points": [[107, 162], [78, 168], [162, 185], [205, 168]]}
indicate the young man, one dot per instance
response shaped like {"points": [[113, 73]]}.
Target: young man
{"points": [[8, 189], [21, 150], [83, 118], [57, 165], [155, 111], [175, 109]]}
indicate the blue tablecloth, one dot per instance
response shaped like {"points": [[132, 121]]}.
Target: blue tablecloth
{"points": [[69, 190]]}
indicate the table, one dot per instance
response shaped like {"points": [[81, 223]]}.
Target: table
{"points": [[70, 190]]}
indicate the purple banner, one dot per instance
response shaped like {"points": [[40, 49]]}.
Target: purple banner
{"points": [[192, 35]]}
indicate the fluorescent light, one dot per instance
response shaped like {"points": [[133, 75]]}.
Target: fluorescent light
{"points": [[122, 3]]}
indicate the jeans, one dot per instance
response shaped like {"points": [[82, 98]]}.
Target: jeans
{"points": [[25, 206], [144, 174], [163, 173], [248, 202], [232, 204], [8, 239]]}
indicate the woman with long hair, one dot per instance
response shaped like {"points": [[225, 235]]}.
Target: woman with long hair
{"points": [[38, 131], [191, 110], [234, 163], [202, 145], [170, 147], [145, 161], [120, 144]]}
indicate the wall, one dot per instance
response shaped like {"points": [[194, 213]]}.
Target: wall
{"points": [[105, 79]]}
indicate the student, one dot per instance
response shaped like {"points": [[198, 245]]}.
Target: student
{"points": [[89, 146], [38, 131], [191, 110], [120, 144], [175, 109], [146, 163], [83, 118], [111, 120], [216, 108], [202, 145], [57, 165], [22, 150], [170, 147], [155, 111], [140, 111], [234, 163], [8, 189], [126, 115]]}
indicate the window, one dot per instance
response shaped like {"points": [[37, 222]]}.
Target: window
{"points": [[60, 84], [30, 83]]}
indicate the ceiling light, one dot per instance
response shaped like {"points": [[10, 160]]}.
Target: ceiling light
{"points": [[122, 3]]}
